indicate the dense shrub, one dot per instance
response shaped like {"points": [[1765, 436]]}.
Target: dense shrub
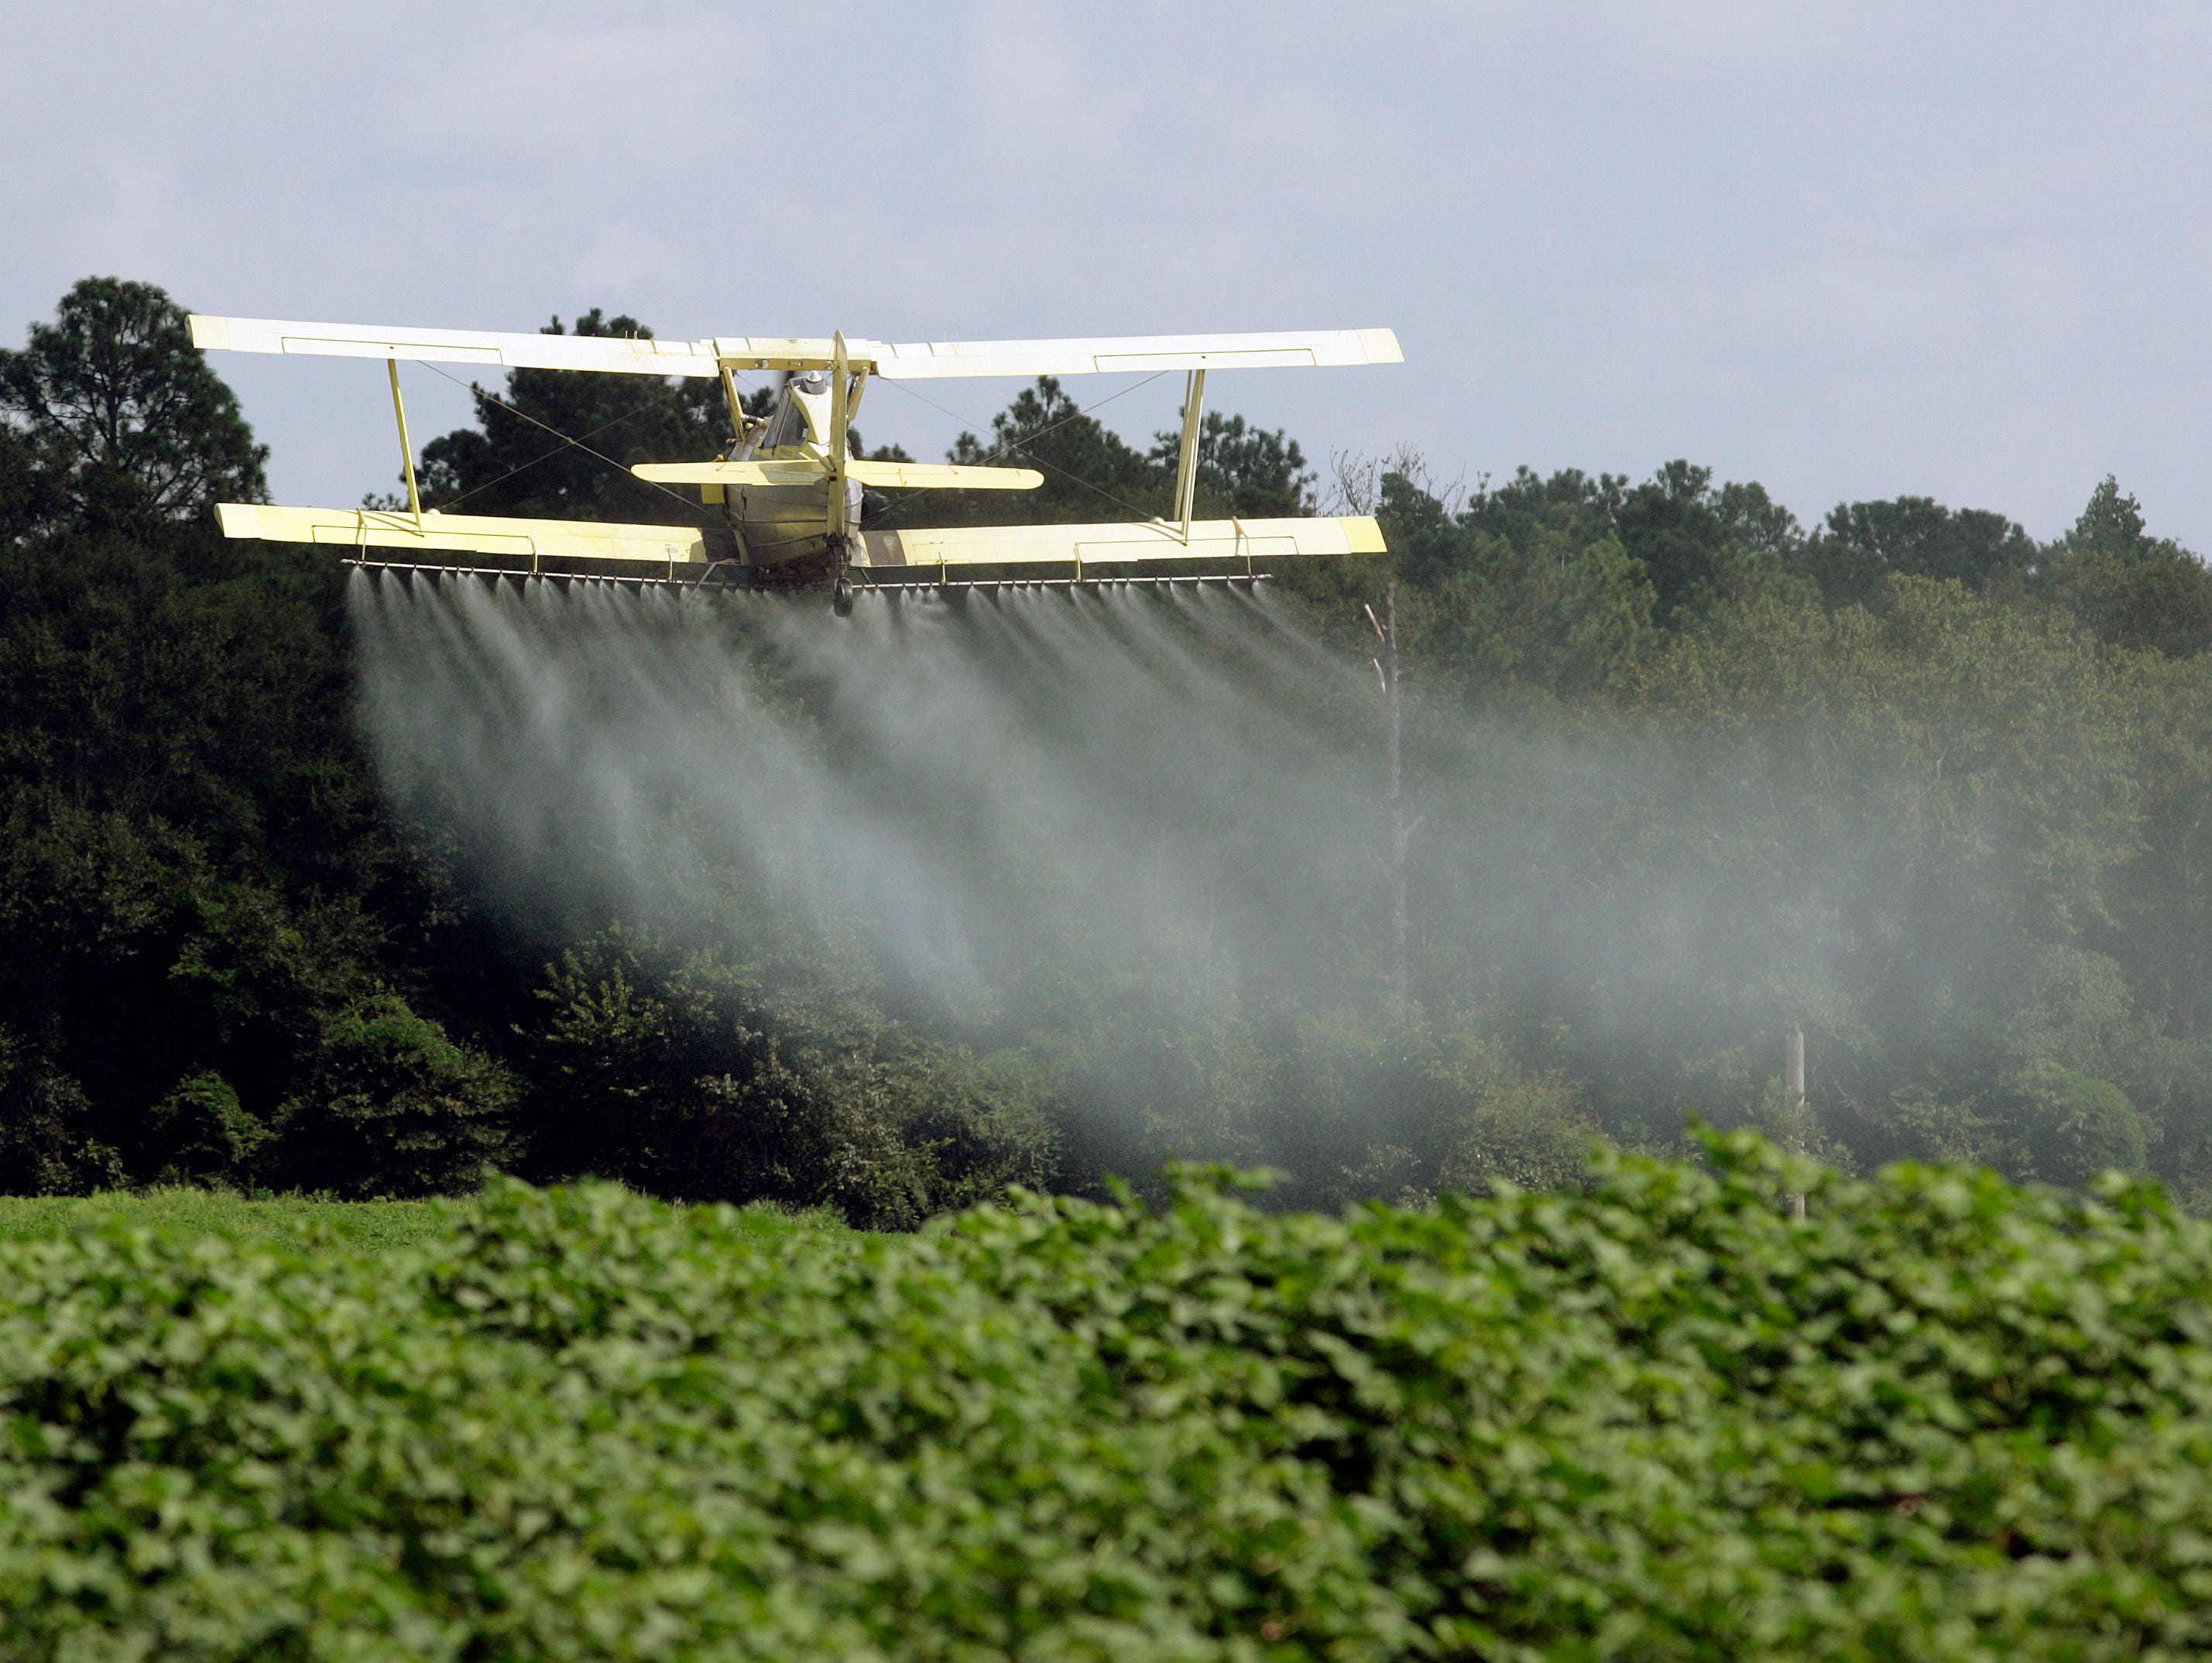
{"points": [[690, 1077], [206, 1132], [394, 1107], [1940, 1418], [2077, 1127]]}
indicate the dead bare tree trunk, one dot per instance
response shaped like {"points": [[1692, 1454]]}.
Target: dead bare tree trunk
{"points": [[1385, 668], [1793, 1084]]}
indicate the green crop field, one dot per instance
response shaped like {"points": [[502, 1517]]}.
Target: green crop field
{"points": [[290, 1220], [268, 1221], [1940, 1418]]}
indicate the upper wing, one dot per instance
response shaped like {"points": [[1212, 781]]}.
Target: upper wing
{"points": [[916, 360], [459, 346], [897, 361], [614, 354]]}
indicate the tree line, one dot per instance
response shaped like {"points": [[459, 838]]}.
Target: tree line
{"points": [[1687, 769]]}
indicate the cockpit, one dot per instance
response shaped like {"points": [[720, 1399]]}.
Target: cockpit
{"points": [[800, 414]]}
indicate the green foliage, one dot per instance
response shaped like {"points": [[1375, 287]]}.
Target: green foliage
{"points": [[1988, 737], [666, 1077], [47, 1125], [389, 1106], [205, 1131], [1940, 1418], [1558, 585], [1864, 545], [1534, 1132], [2161, 900], [2132, 589], [1699, 548], [191, 853], [1569, 620], [689, 1077], [114, 415], [1899, 825], [2075, 1126]]}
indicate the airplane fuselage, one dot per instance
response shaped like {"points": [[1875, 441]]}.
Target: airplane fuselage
{"points": [[786, 530]]}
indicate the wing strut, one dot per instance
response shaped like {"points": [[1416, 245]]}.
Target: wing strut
{"points": [[840, 371], [737, 405], [1194, 398], [406, 450]]}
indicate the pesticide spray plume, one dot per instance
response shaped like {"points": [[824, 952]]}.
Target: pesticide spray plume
{"points": [[1151, 822], [968, 780]]}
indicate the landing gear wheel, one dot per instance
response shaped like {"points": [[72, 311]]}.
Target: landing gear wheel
{"points": [[841, 599]]}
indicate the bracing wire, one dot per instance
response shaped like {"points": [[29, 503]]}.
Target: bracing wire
{"points": [[1031, 438], [566, 441], [579, 443]]}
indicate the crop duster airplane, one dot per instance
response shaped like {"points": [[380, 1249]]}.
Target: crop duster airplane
{"points": [[789, 488]]}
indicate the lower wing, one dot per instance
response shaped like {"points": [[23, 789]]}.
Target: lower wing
{"points": [[480, 534], [1140, 543]]}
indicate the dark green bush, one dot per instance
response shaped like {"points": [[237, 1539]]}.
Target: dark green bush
{"points": [[207, 1134], [2077, 1127], [689, 1077], [1940, 1418], [392, 1107]]}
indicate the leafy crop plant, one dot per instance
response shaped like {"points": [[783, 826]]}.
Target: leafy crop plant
{"points": [[1940, 1417]]}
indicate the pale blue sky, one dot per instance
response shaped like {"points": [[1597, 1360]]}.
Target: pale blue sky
{"points": [[1851, 251]]}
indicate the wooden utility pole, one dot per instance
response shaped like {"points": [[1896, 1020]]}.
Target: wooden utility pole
{"points": [[1386, 668], [1793, 1085]]}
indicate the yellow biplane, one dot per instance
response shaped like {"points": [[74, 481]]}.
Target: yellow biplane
{"points": [[789, 487]]}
